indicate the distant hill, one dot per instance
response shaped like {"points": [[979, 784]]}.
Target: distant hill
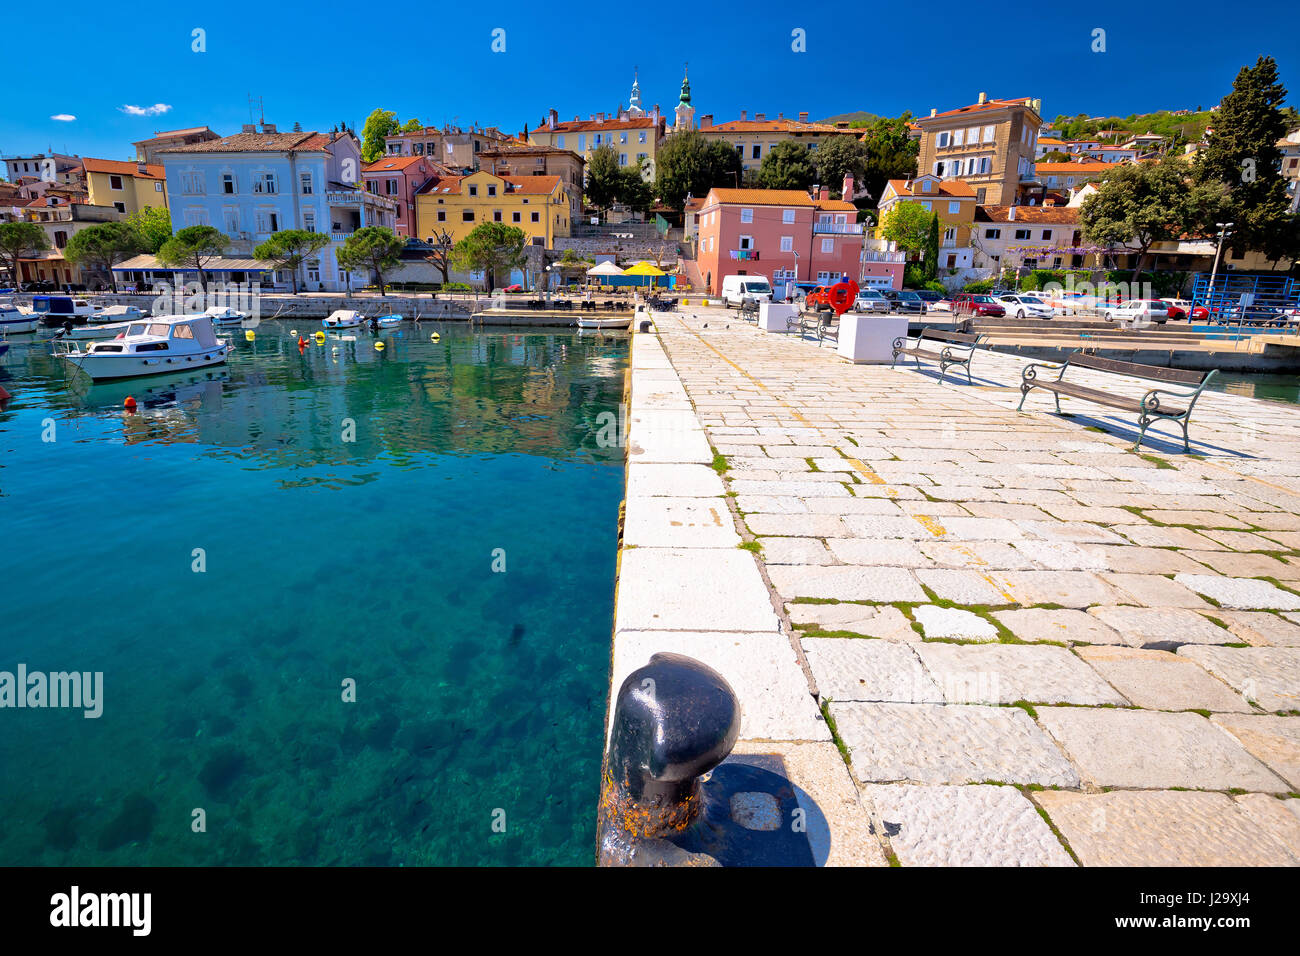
{"points": [[1187, 126], [858, 116]]}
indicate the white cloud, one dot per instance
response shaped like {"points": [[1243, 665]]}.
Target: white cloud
{"points": [[145, 110], [63, 117]]}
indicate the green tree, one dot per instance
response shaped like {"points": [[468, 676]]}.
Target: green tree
{"points": [[290, 249], [153, 227], [1140, 204], [687, 163], [379, 124], [99, 248], [439, 254], [787, 165], [20, 240], [633, 191], [840, 156], [1242, 154], [890, 154], [490, 248], [374, 248], [603, 176], [412, 125], [931, 261], [907, 224], [194, 247]]}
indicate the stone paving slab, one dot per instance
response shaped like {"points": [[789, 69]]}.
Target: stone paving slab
{"points": [[1267, 676], [948, 743], [1261, 628], [1153, 750], [1162, 828], [965, 826], [693, 589], [1005, 673], [1160, 680], [1063, 625], [1161, 627], [646, 480], [879, 621], [947, 623], [847, 668], [679, 523], [1240, 593], [849, 583], [776, 703], [1273, 740]]}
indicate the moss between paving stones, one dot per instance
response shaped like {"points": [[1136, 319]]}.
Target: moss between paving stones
{"points": [[835, 733], [720, 463], [1065, 844], [1159, 462]]}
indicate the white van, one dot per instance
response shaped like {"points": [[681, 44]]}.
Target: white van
{"points": [[735, 289]]}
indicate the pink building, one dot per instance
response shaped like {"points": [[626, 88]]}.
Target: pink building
{"points": [[779, 233], [399, 178]]}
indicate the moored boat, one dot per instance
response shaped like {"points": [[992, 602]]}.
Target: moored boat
{"points": [[14, 321], [164, 344], [223, 316], [604, 322], [343, 319]]}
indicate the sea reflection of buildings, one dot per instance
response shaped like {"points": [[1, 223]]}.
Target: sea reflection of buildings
{"points": [[525, 394]]}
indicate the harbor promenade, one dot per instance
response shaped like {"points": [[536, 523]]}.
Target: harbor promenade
{"points": [[973, 636]]}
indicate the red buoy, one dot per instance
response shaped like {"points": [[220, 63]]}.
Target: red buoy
{"points": [[302, 343], [4, 396], [129, 404]]}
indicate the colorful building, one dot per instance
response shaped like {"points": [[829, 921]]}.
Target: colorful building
{"points": [[1031, 237], [399, 178], [633, 138], [538, 205], [147, 150], [126, 187], [525, 159], [783, 234], [990, 144], [951, 199], [452, 146]]}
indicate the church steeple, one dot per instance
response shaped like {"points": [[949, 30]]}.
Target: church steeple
{"points": [[685, 111], [634, 103], [686, 87]]}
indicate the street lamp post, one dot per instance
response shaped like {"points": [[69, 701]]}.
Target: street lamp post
{"points": [[1223, 228]]}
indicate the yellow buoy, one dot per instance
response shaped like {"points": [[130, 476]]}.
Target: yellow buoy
{"points": [[379, 346], [434, 337], [250, 334]]}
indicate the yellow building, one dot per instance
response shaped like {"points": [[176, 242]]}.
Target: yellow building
{"points": [[754, 138], [126, 187], [536, 204], [953, 201], [634, 138]]}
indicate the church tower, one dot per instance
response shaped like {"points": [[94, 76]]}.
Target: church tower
{"points": [[634, 104], [685, 111]]}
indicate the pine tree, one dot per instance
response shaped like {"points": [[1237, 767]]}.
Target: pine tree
{"points": [[1242, 153], [931, 263]]}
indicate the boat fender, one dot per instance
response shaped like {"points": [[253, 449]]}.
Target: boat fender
{"points": [[379, 346], [129, 404]]}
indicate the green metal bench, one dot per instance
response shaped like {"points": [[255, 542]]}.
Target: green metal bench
{"points": [[1149, 408], [954, 348]]}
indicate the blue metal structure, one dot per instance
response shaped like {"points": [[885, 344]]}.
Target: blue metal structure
{"points": [[1244, 297]]}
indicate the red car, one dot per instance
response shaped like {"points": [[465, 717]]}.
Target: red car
{"points": [[969, 303], [818, 301]]}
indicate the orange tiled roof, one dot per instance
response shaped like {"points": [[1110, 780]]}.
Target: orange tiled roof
{"points": [[763, 197], [582, 126], [1060, 215], [987, 107], [171, 134], [117, 168], [530, 185], [955, 188], [258, 143], [777, 126], [391, 163]]}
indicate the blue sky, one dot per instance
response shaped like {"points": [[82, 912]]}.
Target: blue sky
{"points": [[322, 63]]}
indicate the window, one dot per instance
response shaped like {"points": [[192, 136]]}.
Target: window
{"points": [[492, 189], [582, 142], [535, 217], [192, 183], [1047, 234], [442, 215], [950, 234], [641, 137], [265, 183], [115, 182], [230, 218], [641, 156], [390, 187], [787, 243], [986, 164], [942, 140], [988, 134], [954, 208], [559, 141], [746, 215], [746, 242], [926, 205], [313, 270], [973, 135], [473, 190], [304, 183], [157, 187], [958, 137], [622, 159], [828, 244], [757, 151], [992, 233], [309, 221], [516, 217], [1022, 233], [622, 138], [120, 206], [467, 215], [787, 215], [496, 215], [60, 239]]}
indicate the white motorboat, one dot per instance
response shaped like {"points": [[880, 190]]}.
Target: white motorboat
{"points": [[389, 321], [343, 319], [604, 322], [13, 320], [81, 332], [169, 343], [223, 316], [116, 313]]}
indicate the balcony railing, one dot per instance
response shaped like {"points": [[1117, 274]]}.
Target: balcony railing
{"points": [[837, 228], [358, 197], [340, 236], [870, 256]]}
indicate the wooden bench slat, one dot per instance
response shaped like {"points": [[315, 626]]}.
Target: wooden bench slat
{"points": [[1156, 373]]}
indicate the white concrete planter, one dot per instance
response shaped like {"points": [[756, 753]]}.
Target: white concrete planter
{"points": [[869, 339], [775, 316]]}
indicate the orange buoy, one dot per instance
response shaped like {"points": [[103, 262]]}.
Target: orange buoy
{"points": [[4, 396], [129, 404], [302, 343]]}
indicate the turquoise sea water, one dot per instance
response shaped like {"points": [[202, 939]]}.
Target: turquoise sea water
{"points": [[479, 695], [1277, 388]]}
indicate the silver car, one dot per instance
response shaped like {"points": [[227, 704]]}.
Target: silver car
{"points": [[870, 300]]}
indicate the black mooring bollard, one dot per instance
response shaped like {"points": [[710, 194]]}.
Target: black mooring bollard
{"points": [[645, 325], [674, 720]]}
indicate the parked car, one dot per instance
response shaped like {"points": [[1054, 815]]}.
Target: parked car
{"points": [[942, 305], [817, 300], [904, 300], [971, 303], [870, 300], [735, 289], [1139, 311], [513, 288], [1025, 306], [1178, 308], [40, 285], [929, 297]]}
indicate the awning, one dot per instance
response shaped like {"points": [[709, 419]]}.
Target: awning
{"points": [[146, 263], [605, 269]]}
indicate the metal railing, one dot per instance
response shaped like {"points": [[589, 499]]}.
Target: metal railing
{"points": [[838, 228]]}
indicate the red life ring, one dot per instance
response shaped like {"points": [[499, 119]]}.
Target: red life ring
{"points": [[841, 295]]}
